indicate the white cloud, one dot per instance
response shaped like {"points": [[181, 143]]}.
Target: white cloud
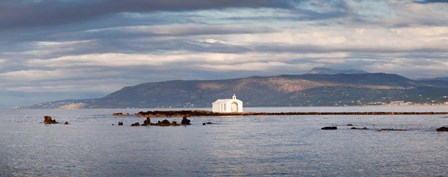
{"points": [[176, 30], [48, 48], [406, 39], [31, 75], [40, 76], [50, 44], [127, 60], [408, 67], [58, 88], [2, 62], [255, 66], [167, 59]]}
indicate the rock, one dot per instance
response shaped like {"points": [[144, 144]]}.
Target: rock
{"points": [[66, 123], [120, 123], [120, 114], [147, 122], [49, 120], [205, 123], [174, 123], [329, 128], [185, 121], [355, 128], [442, 129], [135, 124], [164, 122], [349, 125]]}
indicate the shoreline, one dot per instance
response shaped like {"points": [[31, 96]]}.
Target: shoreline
{"points": [[202, 113]]}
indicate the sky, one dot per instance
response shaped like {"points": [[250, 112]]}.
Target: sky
{"points": [[65, 49]]}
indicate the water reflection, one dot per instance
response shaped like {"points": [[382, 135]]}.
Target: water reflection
{"points": [[232, 146]]}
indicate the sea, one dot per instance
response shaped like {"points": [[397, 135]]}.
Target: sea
{"points": [[93, 145]]}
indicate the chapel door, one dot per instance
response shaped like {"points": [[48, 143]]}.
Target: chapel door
{"points": [[234, 107]]}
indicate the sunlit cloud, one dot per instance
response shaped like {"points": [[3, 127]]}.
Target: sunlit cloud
{"points": [[31, 75], [256, 66]]}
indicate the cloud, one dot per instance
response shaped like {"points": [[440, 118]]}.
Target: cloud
{"points": [[18, 14], [2, 62], [172, 60], [125, 60], [235, 40], [31, 75], [111, 44], [253, 66], [408, 66], [182, 30], [432, 1]]}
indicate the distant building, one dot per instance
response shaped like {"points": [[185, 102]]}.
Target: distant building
{"points": [[228, 105]]}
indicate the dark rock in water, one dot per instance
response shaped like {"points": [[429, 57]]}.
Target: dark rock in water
{"points": [[120, 114], [205, 123], [185, 121], [49, 120], [174, 123], [355, 128], [66, 123], [349, 124], [442, 129], [164, 122], [147, 122], [329, 128], [135, 124], [120, 123]]}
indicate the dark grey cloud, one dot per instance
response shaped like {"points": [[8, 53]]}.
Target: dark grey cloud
{"points": [[431, 1], [302, 15], [313, 10], [19, 14], [129, 40], [276, 48], [332, 9]]}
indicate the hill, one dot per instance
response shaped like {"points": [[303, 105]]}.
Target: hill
{"points": [[284, 90]]}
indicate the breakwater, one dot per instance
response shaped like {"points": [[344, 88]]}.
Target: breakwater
{"points": [[200, 113]]}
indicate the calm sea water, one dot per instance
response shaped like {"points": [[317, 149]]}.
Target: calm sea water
{"points": [[232, 146]]}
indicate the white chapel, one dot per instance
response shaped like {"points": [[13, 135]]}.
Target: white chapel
{"points": [[228, 105]]}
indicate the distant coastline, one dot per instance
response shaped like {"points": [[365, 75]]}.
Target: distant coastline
{"points": [[275, 91]]}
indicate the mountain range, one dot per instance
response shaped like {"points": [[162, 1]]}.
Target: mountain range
{"points": [[319, 87]]}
